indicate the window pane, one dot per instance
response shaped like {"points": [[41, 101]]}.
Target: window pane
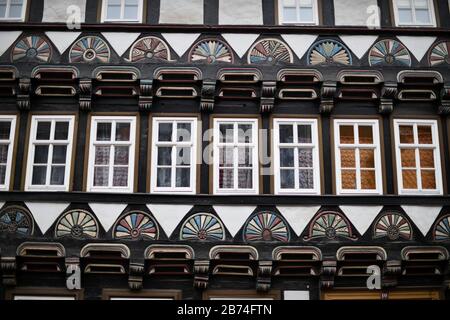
{"points": [[348, 158], [408, 158], [365, 134], [406, 134], [183, 132], [226, 132], [101, 176], [367, 158], [244, 157], [368, 180], [4, 153], [2, 174], [59, 154], [409, 179], [165, 132], [304, 134], [287, 179], [164, 156], [5, 129], [286, 133], [226, 178], [405, 16], [57, 175], [226, 157], [287, 157], [305, 158], [348, 179], [245, 133], [102, 155], [289, 3], [164, 177], [61, 130], [2, 8], [290, 14], [122, 131], [183, 156], [245, 179], [104, 131], [421, 4], [404, 3], [43, 130], [113, 11], [423, 16], [131, 12], [121, 155], [15, 10], [426, 158], [183, 177], [39, 175], [41, 154], [428, 179], [306, 15], [120, 177], [425, 136], [347, 134], [306, 179], [305, 3]]}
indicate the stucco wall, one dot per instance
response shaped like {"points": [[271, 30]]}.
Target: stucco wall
{"points": [[240, 12], [56, 10], [181, 11], [353, 13]]}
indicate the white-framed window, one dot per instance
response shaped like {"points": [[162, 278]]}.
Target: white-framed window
{"points": [[357, 157], [414, 13], [174, 155], [298, 12], [235, 156], [418, 157], [112, 150], [296, 156], [7, 135], [122, 11], [12, 10], [50, 153]]}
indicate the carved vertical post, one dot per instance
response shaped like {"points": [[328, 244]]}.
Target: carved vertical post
{"points": [[264, 278], [327, 94], [328, 272], [268, 96], [444, 103], [388, 94], [85, 94], [136, 275], [23, 94], [146, 95], [201, 274], [8, 265], [391, 271], [208, 96]]}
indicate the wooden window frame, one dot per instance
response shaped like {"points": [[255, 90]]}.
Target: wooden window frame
{"points": [[154, 154], [44, 292], [133, 143], [255, 158], [395, 294], [7, 11], [431, 9], [11, 148], [376, 146], [240, 295], [315, 8], [437, 157], [314, 145], [153, 294], [104, 12], [51, 142]]}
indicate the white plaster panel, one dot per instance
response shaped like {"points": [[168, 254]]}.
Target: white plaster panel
{"points": [[61, 39], [45, 213], [296, 295], [169, 216], [56, 10], [181, 11], [234, 217], [298, 217], [422, 216], [107, 213], [180, 42], [359, 44], [240, 42], [417, 45], [355, 13], [8, 37], [299, 43], [120, 41], [246, 12], [361, 216]]}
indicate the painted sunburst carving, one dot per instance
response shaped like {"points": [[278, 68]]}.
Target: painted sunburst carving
{"points": [[211, 51], [270, 51], [16, 220], [32, 48], [203, 227], [90, 49], [439, 54], [77, 224], [441, 230], [393, 226], [330, 225], [149, 48], [266, 226], [389, 52], [136, 225], [329, 52]]}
